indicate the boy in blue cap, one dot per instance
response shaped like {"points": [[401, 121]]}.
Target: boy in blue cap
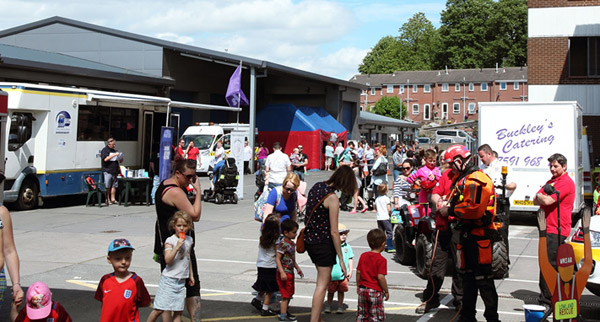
{"points": [[121, 292]]}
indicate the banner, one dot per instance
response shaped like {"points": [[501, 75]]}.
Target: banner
{"points": [[166, 149]]}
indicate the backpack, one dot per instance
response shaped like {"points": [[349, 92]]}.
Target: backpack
{"points": [[381, 168], [474, 199], [259, 205]]}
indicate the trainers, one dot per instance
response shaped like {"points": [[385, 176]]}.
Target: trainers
{"points": [[286, 318], [257, 304], [291, 316], [353, 211], [340, 310], [267, 312], [390, 250], [327, 309], [426, 307]]}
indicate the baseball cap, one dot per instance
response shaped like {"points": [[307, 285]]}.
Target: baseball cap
{"points": [[565, 256], [39, 301], [120, 243]]}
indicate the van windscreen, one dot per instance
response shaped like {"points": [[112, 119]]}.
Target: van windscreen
{"points": [[202, 141], [446, 133]]}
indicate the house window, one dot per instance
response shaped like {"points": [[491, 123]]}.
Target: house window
{"points": [[415, 87], [427, 88], [426, 111], [457, 87], [471, 109], [584, 56], [502, 86], [444, 87], [444, 111], [484, 87], [456, 108], [390, 89], [471, 87], [373, 91], [516, 86], [401, 89], [415, 109]]}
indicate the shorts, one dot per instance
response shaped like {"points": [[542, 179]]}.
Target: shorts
{"points": [[370, 305], [190, 291], [338, 286], [170, 295], [286, 288], [110, 180], [266, 280], [322, 254]]}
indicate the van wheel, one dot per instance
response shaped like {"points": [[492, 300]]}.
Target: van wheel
{"points": [[28, 195]]}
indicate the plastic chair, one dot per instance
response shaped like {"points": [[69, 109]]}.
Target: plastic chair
{"points": [[95, 189]]}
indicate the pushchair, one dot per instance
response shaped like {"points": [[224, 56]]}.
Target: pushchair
{"points": [[225, 180]]}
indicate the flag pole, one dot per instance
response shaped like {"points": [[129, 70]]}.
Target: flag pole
{"points": [[239, 96]]}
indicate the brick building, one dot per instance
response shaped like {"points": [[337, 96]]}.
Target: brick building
{"points": [[564, 57], [452, 95]]}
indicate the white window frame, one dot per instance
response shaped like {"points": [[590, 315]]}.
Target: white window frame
{"points": [[426, 111], [457, 87], [427, 88], [373, 89], [445, 87], [484, 85], [454, 110], [415, 88], [502, 86], [401, 89], [390, 89], [413, 109], [471, 108], [516, 86], [444, 114], [471, 87]]}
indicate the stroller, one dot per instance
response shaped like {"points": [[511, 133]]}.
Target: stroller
{"points": [[225, 180]]}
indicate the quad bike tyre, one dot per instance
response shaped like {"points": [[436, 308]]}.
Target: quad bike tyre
{"points": [[423, 255], [499, 259], [405, 252]]}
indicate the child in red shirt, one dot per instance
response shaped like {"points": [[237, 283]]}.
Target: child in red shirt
{"points": [[285, 258], [40, 306], [121, 292], [370, 278]]}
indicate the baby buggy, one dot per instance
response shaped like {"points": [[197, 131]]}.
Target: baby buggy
{"points": [[224, 178]]}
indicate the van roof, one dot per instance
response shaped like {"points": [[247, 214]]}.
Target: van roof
{"points": [[203, 129]]}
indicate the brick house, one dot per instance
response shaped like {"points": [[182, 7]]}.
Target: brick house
{"points": [[564, 57], [450, 95]]}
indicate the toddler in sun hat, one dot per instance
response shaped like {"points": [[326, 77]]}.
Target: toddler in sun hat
{"points": [[40, 306]]}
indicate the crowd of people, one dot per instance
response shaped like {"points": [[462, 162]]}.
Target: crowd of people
{"points": [[447, 181]]}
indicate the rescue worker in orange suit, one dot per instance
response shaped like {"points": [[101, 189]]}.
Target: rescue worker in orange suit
{"points": [[561, 282], [445, 242], [473, 203]]}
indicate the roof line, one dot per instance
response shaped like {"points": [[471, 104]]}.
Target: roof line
{"points": [[208, 53]]}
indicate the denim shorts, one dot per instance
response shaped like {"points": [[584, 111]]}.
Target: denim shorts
{"points": [[170, 295]]}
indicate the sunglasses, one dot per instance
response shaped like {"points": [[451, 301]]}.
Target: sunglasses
{"points": [[290, 190], [408, 168], [188, 177]]}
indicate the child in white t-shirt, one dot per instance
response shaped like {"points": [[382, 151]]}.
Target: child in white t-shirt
{"points": [[384, 209], [170, 295]]}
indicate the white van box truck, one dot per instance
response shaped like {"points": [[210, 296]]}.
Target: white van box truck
{"points": [[525, 134]]}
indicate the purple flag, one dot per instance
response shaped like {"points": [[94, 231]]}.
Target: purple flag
{"points": [[235, 97]]}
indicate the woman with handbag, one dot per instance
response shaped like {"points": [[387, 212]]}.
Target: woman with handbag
{"points": [[379, 170], [321, 236], [282, 200]]}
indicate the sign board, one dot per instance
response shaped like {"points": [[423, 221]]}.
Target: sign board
{"points": [[237, 152], [166, 149]]}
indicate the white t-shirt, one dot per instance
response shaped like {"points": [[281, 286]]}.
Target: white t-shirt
{"points": [[338, 150], [277, 162], [219, 154], [382, 203], [180, 266], [494, 171], [247, 153], [266, 257]]}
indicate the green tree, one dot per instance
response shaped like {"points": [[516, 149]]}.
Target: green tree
{"points": [[509, 28], [390, 106], [465, 34], [384, 58], [419, 38]]}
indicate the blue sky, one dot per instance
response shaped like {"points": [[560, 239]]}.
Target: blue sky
{"points": [[329, 37]]}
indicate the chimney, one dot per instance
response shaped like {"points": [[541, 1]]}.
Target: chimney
{"points": [[446, 69], [496, 67]]}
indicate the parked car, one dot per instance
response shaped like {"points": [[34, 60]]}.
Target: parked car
{"points": [[576, 240]]}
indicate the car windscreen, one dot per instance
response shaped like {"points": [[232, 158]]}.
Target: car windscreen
{"points": [[202, 141]]}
